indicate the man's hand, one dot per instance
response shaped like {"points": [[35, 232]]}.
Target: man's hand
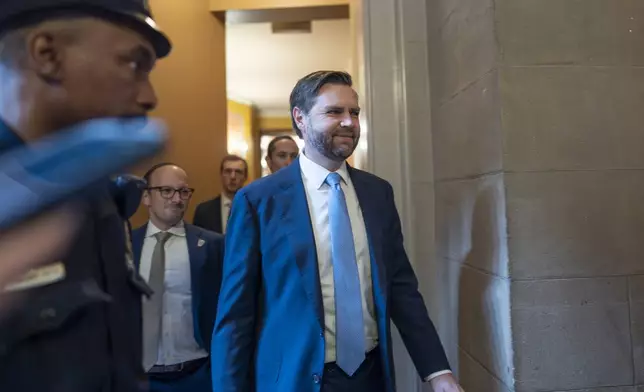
{"points": [[445, 383]]}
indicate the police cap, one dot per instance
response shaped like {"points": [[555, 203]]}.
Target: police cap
{"points": [[132, 13]]}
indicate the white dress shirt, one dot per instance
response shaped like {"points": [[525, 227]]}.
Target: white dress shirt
{"points": [[177, 342], [225, 211], [317, 195]]}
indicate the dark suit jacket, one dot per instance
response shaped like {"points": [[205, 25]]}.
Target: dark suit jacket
{"points": [[271, 280], [206, 252], [83, 333], [208, 215]]}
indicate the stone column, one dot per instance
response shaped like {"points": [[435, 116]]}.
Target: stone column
{"points": [[538, 142]]}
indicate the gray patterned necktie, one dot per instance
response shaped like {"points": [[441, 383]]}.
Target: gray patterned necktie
{"points": [[153, 306]]}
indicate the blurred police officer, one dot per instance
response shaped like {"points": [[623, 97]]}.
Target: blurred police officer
{"points": [[76, 325]]}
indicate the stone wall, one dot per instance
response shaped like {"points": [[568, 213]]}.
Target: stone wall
{"points": [[537, 125]]}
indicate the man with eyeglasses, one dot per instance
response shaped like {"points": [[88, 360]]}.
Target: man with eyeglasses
{"points": [[182, 264]]}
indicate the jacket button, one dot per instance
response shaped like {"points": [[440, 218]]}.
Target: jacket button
{"points": [[317, 378]]}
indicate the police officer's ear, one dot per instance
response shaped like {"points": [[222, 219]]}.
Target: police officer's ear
{"points": [[45, 53]]}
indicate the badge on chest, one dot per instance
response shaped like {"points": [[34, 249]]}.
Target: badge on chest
{"points": [[39, 277]]}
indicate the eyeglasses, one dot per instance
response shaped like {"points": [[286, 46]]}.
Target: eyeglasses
{"points": [[167, 192]]}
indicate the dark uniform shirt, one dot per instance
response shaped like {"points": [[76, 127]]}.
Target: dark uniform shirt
{"points": [[81, 333]]}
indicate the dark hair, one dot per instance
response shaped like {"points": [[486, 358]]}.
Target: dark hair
{"points": [[233, 158], [148, 174], [271, 145], [306, 90]]}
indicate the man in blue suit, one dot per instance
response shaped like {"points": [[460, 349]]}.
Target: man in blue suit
{"points": [[182, 265], [315, 269]]}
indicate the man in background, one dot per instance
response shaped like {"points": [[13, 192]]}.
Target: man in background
{"points": [[182, 264], [282, 150], [76, 326], [213, 214]]}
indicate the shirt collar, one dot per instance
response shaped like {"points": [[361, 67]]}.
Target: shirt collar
{"points": [[178, 230], [317, 174], [225, 200], [8, 138]]}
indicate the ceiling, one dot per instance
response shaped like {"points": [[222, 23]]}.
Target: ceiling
{"points": [[262, 67]]}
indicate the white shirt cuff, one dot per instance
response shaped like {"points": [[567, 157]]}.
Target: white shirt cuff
{"points": [[434, 375]]}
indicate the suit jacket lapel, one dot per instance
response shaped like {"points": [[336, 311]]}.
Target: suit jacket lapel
{"points": [[197, 255], [371, 213], [297, 220], [216, 213], [138, 236]]}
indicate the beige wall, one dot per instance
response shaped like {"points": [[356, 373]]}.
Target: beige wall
{"points": [[274, 124], [191, 86], [572, 120], [469, 186], [242, 127], [537, 132]]}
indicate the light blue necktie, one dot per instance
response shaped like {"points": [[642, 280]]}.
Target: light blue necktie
{"points": [[349, 323]]}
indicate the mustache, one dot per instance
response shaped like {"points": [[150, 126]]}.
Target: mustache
{"points": [[345, 132]]}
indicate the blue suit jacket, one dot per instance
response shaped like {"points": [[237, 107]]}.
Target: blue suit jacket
{"points": [[206, 252], [269, 332]]}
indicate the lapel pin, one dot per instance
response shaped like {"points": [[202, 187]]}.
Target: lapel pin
{"points": [[200, 242]]}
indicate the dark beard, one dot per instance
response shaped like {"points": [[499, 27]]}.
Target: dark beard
{"points": [[323, 143]]}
